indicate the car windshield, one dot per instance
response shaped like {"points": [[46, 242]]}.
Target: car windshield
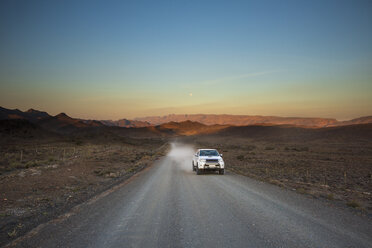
{"points": [[208, 153]]}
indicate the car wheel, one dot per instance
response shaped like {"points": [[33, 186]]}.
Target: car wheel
{"points": [[222, 171], [198, 172], [193, 167]]}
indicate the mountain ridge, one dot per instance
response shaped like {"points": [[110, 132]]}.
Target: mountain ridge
{"points": [[15, 123], [125, 123], [36, 116], [245, 120], [63, 120]]}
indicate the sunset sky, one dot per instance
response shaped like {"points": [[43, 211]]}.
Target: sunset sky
{"points": [[125, 59]]}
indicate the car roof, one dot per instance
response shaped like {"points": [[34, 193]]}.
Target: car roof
{"points": [[207, 149]]}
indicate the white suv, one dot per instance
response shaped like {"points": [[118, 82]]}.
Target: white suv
{"points": [[208, 159]]}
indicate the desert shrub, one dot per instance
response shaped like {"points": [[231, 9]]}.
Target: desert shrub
{"points": [[15, 165], [51, 159], [77, 142], [269, 148], [75, 189], [240, 157], [103, 172], [353, 204], [250, 147], [301, 191], [300, 149], [297, 149], [234, 147], [30, 164], [13, 233], [99, 172], [330, 196]]}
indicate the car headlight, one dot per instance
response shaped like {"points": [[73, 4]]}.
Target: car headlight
{"points": [[202, 160], [220, 160]]}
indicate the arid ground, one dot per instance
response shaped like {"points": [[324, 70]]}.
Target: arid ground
{"points": [[46, 170], [168, 205], [42, 179], [334, 170]]}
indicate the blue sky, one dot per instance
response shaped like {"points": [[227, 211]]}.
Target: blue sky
{"points": [[116, 59]]}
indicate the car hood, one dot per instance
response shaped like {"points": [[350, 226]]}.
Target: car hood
{"points": [[209, 157]]}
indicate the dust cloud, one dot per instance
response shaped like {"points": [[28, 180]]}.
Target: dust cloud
{"points": [[182, 154]]}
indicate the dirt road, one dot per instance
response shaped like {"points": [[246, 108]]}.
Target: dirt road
{"points": [[168, 205]]}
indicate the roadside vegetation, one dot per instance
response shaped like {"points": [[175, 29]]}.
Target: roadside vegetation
{"points": [[41, 180], [337, 171]]}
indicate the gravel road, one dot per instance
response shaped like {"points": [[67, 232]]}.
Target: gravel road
{"points": [[168, 205]]}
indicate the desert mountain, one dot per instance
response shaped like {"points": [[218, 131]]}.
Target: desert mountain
{"points": [[64, 121], [245, 120], [252, 126], [361, 120], [19, 128], [125, 123], [31, 115], [360, 132], [188, 128]]}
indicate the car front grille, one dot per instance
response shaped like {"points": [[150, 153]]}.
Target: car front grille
{"points": [[212, 160]]}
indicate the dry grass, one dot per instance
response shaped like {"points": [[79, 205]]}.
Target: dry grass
{"points": [[334, 171], [353, 204], [39, 181]]}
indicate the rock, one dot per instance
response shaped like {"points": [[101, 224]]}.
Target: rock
{"points": [[35, 172], [113, 175], [22, 174], [17, 211], [53, 166]]}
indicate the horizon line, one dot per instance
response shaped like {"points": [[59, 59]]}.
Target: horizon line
{"points": [[159, 116]]}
